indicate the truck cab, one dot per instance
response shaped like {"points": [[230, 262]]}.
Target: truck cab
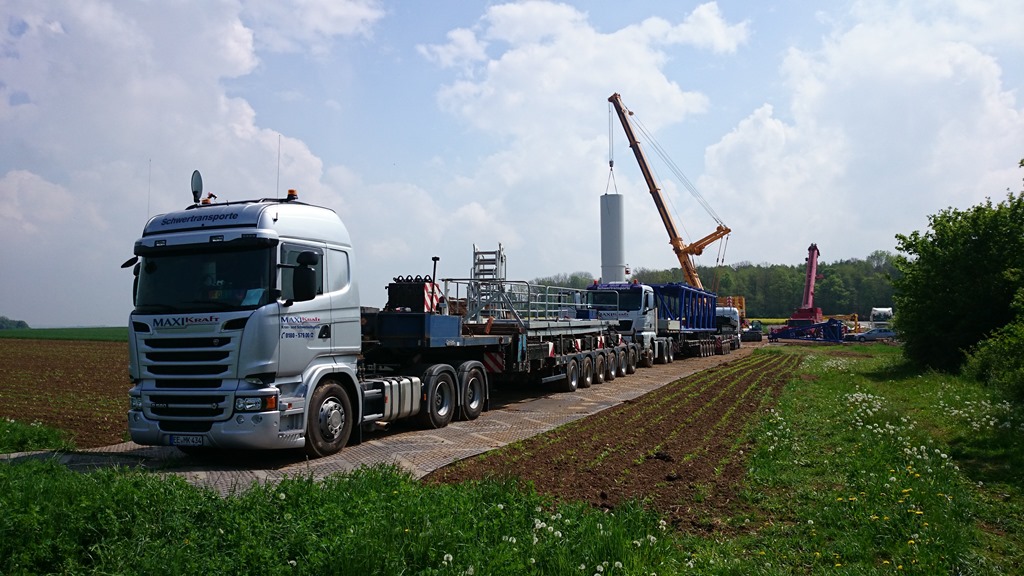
{"points": [[241, 309], [632, 306]]}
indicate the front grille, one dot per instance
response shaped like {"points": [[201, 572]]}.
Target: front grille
{"points": [[191, 376], [188, 342], [187, 356], [172, 383], [188, 369]]}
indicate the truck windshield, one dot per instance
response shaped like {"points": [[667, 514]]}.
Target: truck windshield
{"points": [[617, 300], [204, 281]]}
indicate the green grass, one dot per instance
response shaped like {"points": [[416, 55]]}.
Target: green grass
{"points": [[865, 466], [22, 437], [107, 334]]}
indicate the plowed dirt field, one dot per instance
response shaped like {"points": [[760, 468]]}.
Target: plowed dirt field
{"points": [[77, 386], [680, 448]]}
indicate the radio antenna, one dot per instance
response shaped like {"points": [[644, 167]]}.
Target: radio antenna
{"points": [[277, 191]]}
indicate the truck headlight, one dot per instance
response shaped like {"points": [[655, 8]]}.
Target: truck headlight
{"points": [[135, 402], [255, 403]]}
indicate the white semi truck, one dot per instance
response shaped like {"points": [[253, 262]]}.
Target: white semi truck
{"points": [[247, 332]]}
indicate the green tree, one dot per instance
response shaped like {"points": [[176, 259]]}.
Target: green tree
{"points": [[578, 280], [999, 359], [10, 324], [959, 279]]}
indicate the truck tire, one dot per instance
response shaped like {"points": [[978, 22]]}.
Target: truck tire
{"points": [[632, 358], [611, 366], [586, 372], [620, 362], [439, 407], [572, 376], [599, 370], [329, 420], [662, 357], [473, 382], [647, 358], [670, 352]]}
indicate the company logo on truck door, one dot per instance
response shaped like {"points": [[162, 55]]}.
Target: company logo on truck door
{"points": [[184, 321], [300, 320], [301, 327]]}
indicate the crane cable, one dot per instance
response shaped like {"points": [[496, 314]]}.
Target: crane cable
{"points": [[611, 155], [654, 145], [676, 171]]}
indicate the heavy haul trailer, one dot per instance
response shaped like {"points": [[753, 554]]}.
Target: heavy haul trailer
{"points": [[247, 332], [664, 321], [524, 333]]}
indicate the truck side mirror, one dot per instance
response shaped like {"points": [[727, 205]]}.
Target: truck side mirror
{"points": [[304, 277], [135, 283]]}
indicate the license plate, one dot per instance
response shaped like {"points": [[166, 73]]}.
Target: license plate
{"points": [[186, 440]]}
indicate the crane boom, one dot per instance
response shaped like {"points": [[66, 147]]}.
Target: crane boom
{"points": [[682, 250], [812, 275], [808, 313]]}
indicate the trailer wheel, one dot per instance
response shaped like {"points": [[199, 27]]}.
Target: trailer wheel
{"points": [[611, 368], [329, 420], [586, 372], [572, 376], [631, 360], [440, 402], [620, 362], [670, 352], [662, 353], [599, 370], [473, 386], [647, 358]]}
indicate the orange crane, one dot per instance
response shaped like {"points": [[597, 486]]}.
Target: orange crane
{"points": [[684, 252]]}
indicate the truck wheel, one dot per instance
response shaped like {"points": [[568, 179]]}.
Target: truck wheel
{"points": [[620, 362], [586, 372], [329, 420], [473, 393], [647, 358], [611, 366], [662, 353], [599, 369], [572, 376], [631, 360], [440, 405], [670, 352]]}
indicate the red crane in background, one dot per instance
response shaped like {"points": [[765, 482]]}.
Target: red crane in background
{"points": [[808, 314]]}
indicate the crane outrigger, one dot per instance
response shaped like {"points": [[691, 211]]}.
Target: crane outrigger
{"points": [[684, 252]]}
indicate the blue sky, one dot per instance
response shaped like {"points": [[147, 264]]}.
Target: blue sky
{"points": [[433, 126]]}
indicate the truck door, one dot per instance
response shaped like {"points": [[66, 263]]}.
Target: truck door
{"points": [[346, 331], [305, 326]]}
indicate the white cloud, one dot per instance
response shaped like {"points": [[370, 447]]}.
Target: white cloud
{"points": [[463, 47], [890, 120], [312, 25], [705, 27], [32, 206], [114, 105], [544, 92]]}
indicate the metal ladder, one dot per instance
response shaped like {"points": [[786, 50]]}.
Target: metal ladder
{"points": [[488, 276]]}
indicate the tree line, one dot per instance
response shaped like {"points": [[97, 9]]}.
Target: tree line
{"points": [[775, 290], [9, 324]]}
